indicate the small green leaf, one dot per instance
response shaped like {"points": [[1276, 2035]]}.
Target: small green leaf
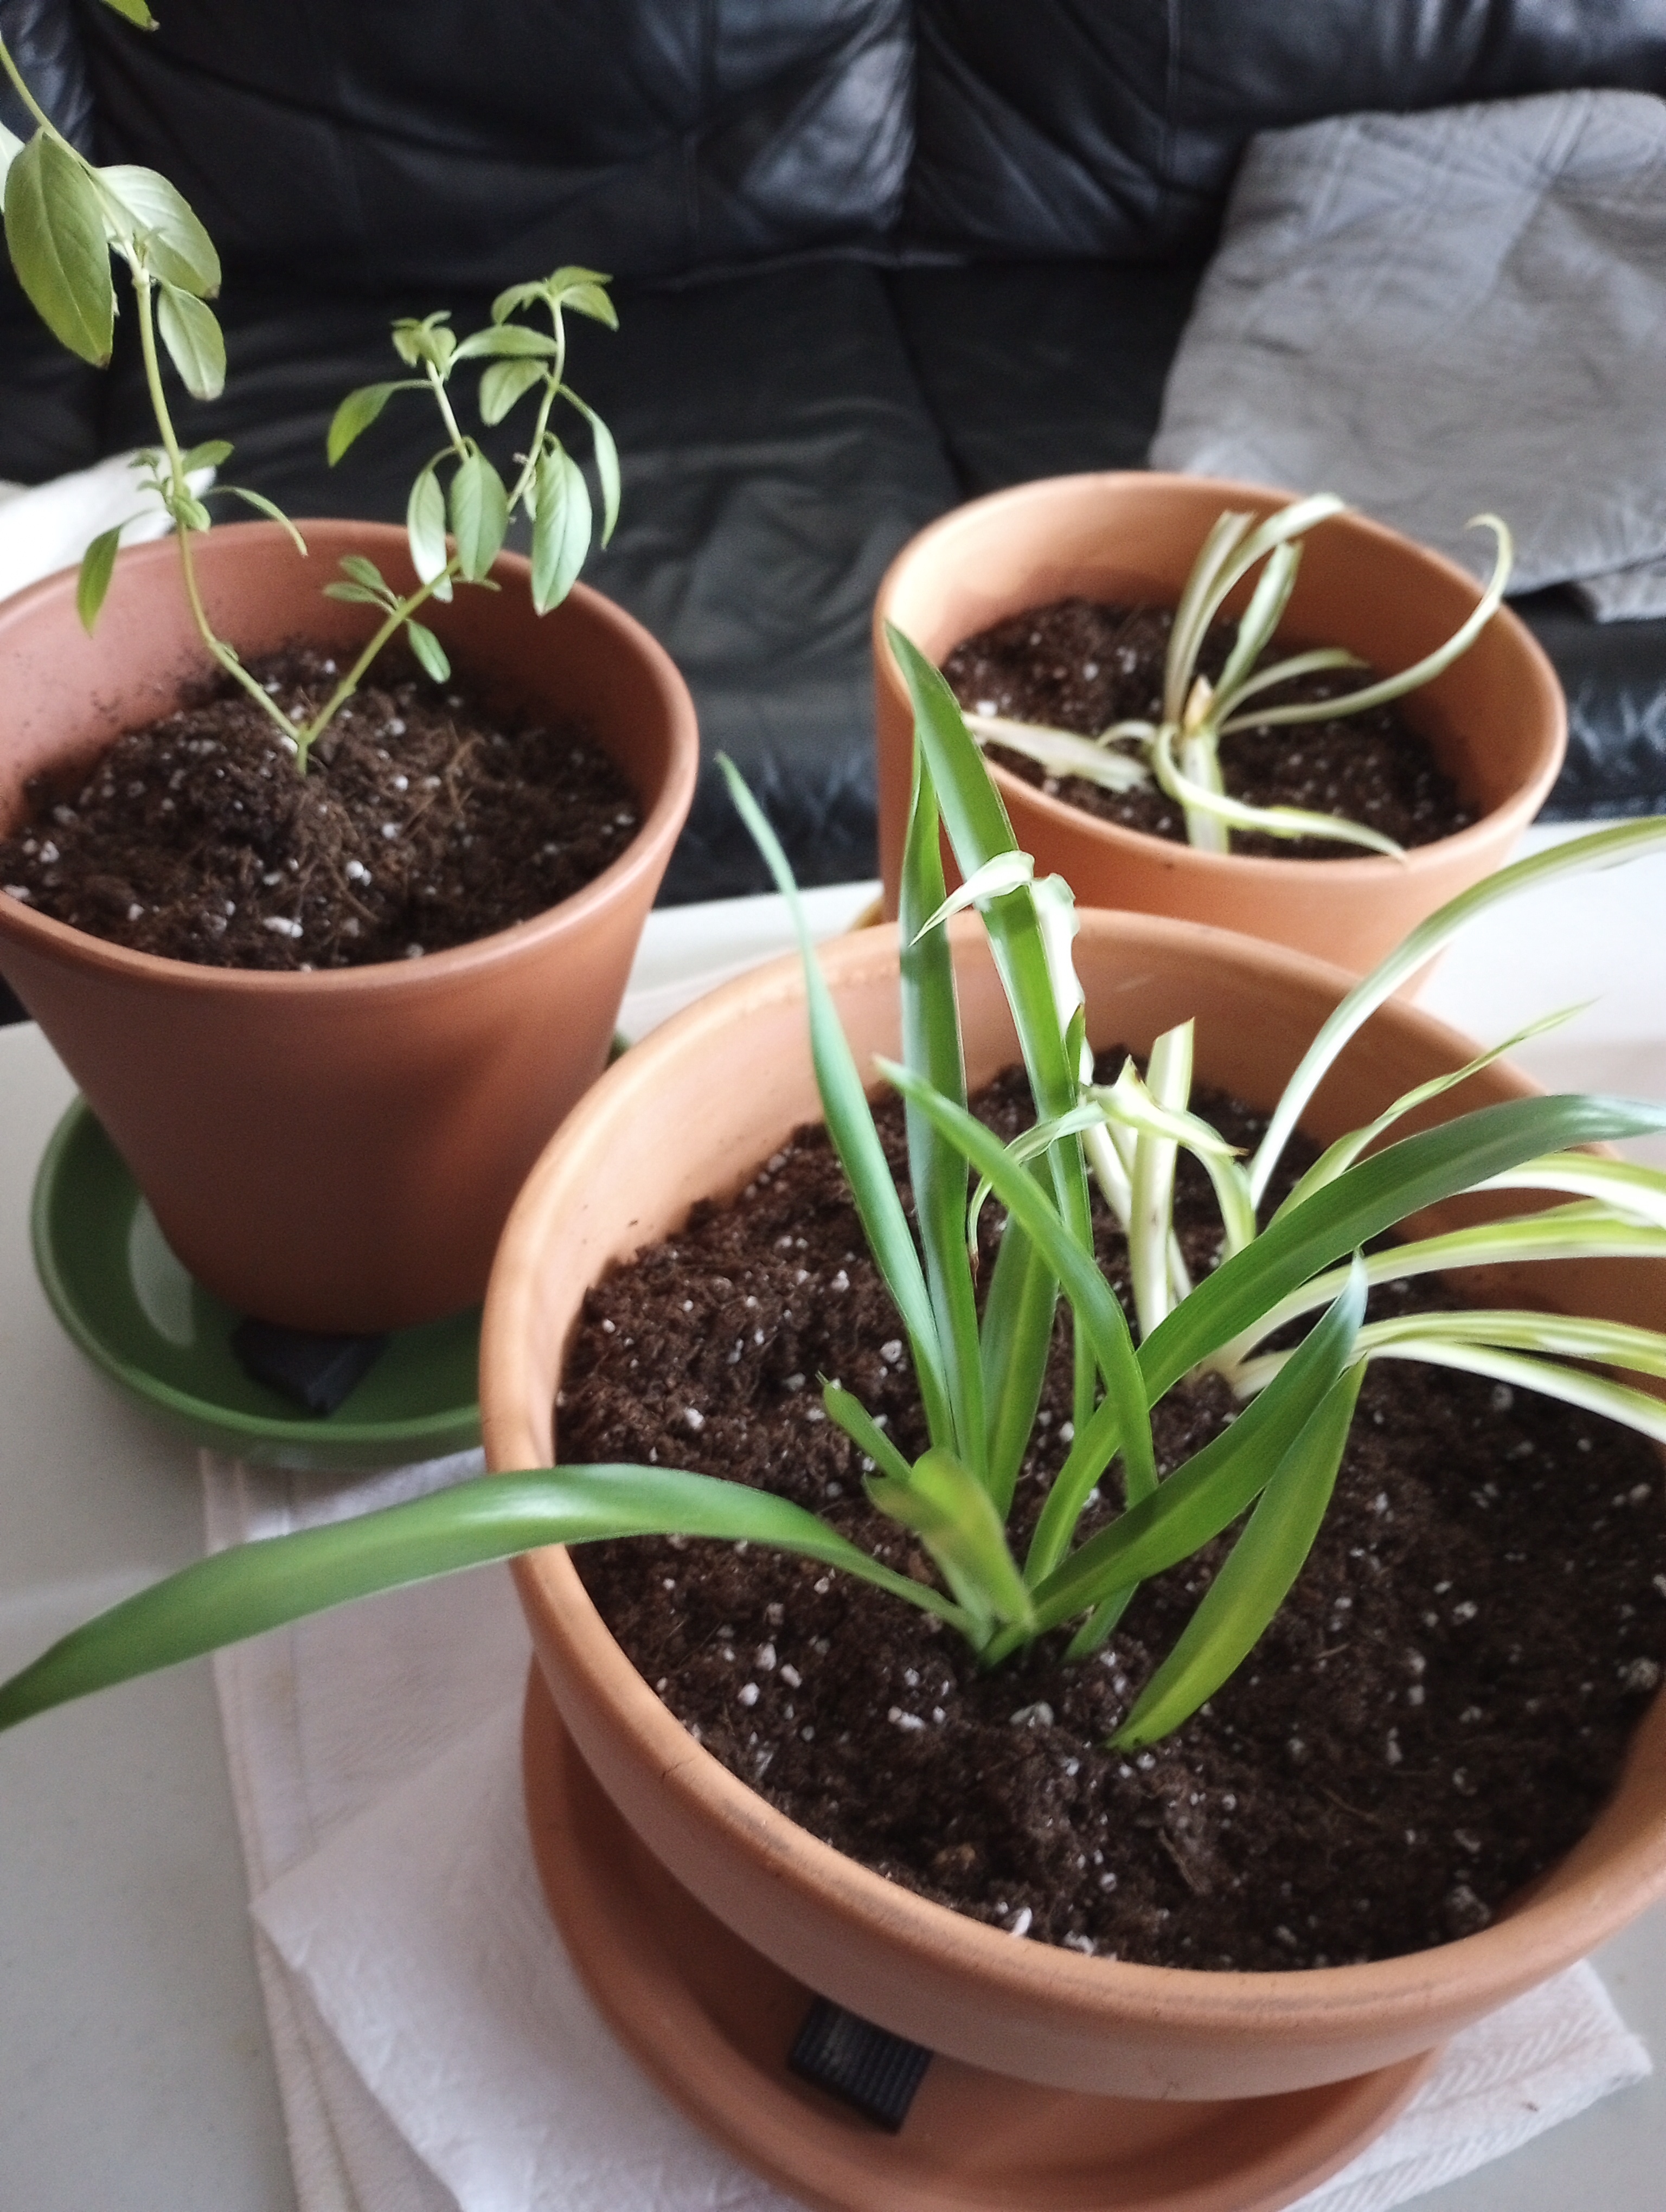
{"points": [[607, 463], [364, 571], [357, 594], [151, 215], [98, 565], [358, 411], [258, 501], [133, 11], [427, 649], [517, 296], [479, 517], [425, 524], [425, 341], [55, 231], [560, 529], [503, 384], [589, 300], [505, 341], [208, 455], [193, 338], [189, 511]]}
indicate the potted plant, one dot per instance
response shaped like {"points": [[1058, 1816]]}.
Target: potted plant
{"points": [[704, 1107], [1494, 716], [334, 1149]]}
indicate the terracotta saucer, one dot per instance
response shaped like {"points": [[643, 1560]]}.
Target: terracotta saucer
{"points": [[712, 2020]]}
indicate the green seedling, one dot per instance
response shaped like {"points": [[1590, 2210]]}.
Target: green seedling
{"points": [[65, 217]]}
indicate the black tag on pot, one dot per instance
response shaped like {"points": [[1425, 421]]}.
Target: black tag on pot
{"points": [[867, 2066], [317, 1372]]}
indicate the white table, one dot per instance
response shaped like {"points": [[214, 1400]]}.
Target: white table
{"points": [[135, 2074]]}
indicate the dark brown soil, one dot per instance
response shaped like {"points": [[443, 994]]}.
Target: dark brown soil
{"points": [[1076, 666], [423, 821], [1434, 1718]]}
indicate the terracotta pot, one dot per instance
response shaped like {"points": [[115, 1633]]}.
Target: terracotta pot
{"points": [[688, 1114], [1496, 719], [336, 1151]]}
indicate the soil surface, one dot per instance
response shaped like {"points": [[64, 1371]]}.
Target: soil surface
{"points": [[1077, 665], [1435, 1717], [423, 821]]}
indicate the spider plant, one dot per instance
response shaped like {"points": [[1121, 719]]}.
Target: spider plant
{"points": [[64, 218], [1181, 749], [980, 1369]]}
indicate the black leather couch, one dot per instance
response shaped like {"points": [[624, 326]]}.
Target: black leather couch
{"points": [[872, 257]]}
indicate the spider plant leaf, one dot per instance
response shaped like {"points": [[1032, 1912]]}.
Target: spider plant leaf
{"points": [[1562, 1232], [1268, 820], [1259, 620], [1371, 1196], [951, 1511], [1062, 752], [1004, 871], [1574, 1386], [979, 831], [1346, 1149], [55, 234], [1257, 1576], [1156, 1152], [1098, 1626], [1420, 671], [850, 1125], [1017, 1337], [1092, 1298], [1628, 1186], [1602, 848], [864, 1432], [1322, 657], [932, 1047], [1195, 609], [251, 1587], [1209, 1492]]}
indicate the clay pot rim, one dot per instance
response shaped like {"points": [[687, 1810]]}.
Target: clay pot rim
{"points": [[1272, 875], [1300, 2001], [459, 964]]}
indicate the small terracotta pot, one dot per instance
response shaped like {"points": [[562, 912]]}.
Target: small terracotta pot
{"points": [[1496, 719], [336, 1151], [688, 1114]]}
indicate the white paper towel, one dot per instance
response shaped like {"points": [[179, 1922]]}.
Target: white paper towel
{"points": [[435, 2049]]}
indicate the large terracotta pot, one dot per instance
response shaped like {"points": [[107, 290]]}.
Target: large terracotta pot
{"points": [[336, 1151], [690, 1113], [1496, 718]]}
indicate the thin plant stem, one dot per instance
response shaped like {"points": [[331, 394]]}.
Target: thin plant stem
{"points": [[223, 652]]}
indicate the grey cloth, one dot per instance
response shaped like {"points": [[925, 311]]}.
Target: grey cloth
{"points": [[1439, 315]]}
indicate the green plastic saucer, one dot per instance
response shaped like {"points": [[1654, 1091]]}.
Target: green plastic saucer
{"points": [[165, 1342]]}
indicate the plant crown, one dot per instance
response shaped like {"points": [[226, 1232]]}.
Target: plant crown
{"points": [[1181, 750], [65, 217], [980, 1373]]}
